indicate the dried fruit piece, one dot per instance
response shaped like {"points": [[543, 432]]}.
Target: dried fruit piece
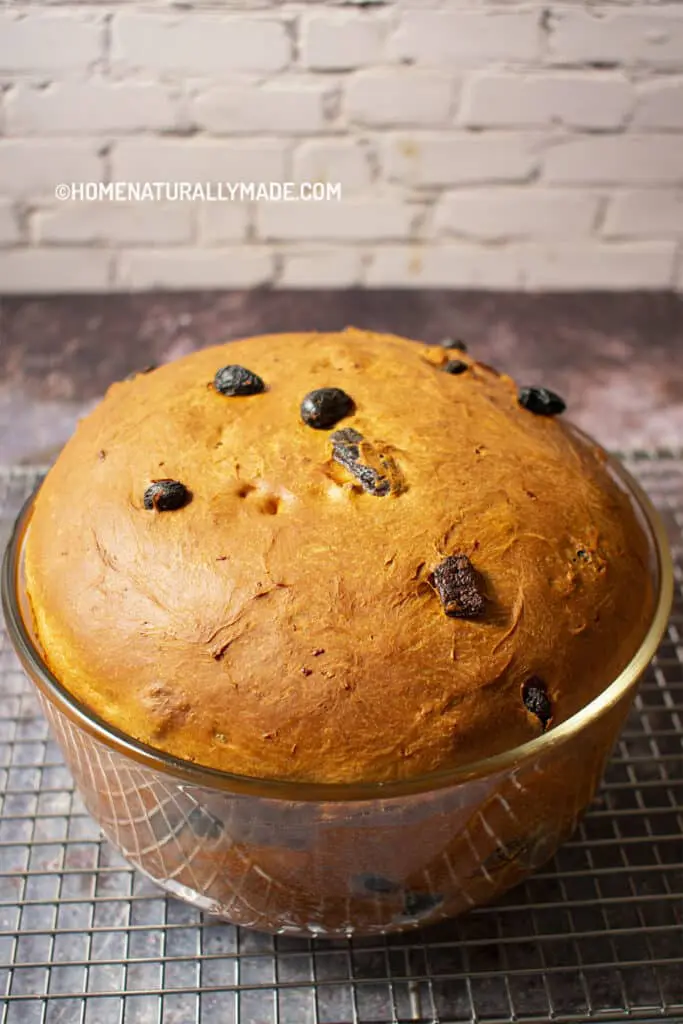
{"points": [[536, 700], [237, 380], [166, 496], [454, 343], [375, 470], [324, 407], [541, 401], [455, 366], [457, 584]]}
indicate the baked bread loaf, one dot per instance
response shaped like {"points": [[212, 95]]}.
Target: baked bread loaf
{"points": [[343, 557]]}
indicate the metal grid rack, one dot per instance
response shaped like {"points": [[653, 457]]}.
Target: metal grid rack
{"points": [[596, 934]]}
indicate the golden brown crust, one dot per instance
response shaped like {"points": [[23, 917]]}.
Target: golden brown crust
{"points": [[282, 624]]}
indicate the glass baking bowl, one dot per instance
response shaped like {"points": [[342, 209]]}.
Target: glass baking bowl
{"points": [[330, 859]]}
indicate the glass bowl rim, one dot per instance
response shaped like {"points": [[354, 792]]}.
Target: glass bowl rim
{"points": [[330, 792]]}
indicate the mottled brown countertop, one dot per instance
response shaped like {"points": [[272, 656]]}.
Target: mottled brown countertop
{"points": [[617, 359]]}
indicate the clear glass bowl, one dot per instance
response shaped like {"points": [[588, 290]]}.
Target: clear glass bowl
{"points": [[338, 860]]}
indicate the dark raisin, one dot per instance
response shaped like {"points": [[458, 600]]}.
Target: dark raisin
{"points": [[375, 471], [541, 401], [417, 904], [166, 496], [455, 366], [377, 884], [454, 343], [324, 407], [237, 380], [457, 584], [583, 556], [536, 700]]}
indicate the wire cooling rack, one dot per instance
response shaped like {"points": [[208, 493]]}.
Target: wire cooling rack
{"points": [[596, 934]]}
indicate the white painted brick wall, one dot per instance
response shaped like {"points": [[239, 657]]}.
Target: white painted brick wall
{"points": [[94, 107], [296, 107], [322, 268], [478, 143], [49, 42], [633, 265], [194, 268], [356, 220], [198, 160], [578, 100], [646, 36], [30, 168], [440, 159], [120, 223], [467, 38], [340, 41], [659, 105], [197, 44], [446, 266], [221, 223], [9, 225], [381, 98], [510, 213], [55, 270], [644, 213], [616, 160], [346, 160]]}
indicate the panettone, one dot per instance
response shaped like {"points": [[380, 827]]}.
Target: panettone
{"points": [[333, 557]]}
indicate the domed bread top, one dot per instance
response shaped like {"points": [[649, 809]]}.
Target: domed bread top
{"points": [[441, 575]]}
